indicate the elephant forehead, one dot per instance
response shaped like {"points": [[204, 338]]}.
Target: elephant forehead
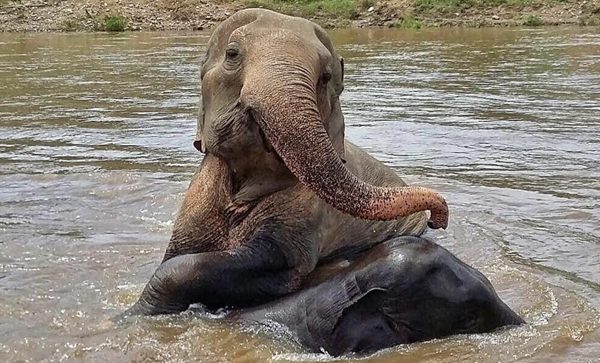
{"points": [[408, 260], [284, 40], [411, 252], [272, 36], [271, 19], [253, 27]]}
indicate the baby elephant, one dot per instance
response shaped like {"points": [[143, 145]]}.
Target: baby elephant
{"points": [[405, 290]]}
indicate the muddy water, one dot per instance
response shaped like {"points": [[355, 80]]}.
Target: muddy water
{"points": [[96, 152]]}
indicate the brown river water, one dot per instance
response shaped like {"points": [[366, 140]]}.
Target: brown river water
{"points": [[96, 152]]}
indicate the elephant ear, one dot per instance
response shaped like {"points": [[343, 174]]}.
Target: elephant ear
{"points": [[363, 326], [335, 123], [331, 314], [334, 126]]}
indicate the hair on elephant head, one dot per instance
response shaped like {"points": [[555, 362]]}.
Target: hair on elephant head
{"points": [[270, 108]]}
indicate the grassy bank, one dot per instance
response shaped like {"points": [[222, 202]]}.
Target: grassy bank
{"points": [[117, 15], [417, 13], [452, 6], [348, 9], [508, 12]]}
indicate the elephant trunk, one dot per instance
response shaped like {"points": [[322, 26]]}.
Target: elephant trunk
{"points": [[285, 108]]}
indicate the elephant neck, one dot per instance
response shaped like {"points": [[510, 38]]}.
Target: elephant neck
{"points": [[257, 176]]}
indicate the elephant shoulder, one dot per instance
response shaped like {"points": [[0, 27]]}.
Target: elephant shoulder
{"points": [[369, 169]]}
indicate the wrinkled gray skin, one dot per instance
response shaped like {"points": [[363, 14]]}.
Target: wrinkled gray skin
{"points": [[279, 188], [405, 290]]}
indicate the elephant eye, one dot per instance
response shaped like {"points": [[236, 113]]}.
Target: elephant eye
{"points": [[232, 51], [326, 77]]}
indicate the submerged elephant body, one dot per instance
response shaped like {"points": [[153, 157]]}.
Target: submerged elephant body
{"points": [[404, 290], [279, 190]]}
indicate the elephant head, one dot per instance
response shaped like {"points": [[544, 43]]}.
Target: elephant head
{"points": [[270, 101]]}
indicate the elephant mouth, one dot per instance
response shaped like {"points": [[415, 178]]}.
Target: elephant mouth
{"points": [[233, 133], [198, 145], [251, 119]]}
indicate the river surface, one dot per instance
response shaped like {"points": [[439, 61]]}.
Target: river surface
{"points": [[96, 152]]}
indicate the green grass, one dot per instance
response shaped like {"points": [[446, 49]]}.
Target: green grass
{"points": [[533, 20], [409, 22], [113, 23], [452, 6], [8, 2], [334, 8], [441, 5], [365, 4], [588, 20], [350, 9]]}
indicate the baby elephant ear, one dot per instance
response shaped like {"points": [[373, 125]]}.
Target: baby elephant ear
{"points": [[364, 328]]}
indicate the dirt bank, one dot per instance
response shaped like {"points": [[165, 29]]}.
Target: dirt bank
{"points": [[99, 15]]}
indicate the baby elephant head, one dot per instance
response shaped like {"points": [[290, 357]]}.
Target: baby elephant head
{"points": [[415, 290], [270, 96]]}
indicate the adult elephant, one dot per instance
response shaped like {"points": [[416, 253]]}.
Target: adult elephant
{"points": [[279, 188], [281, 203]]}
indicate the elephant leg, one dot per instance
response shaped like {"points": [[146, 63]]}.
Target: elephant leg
{"points": [[246, 276], [201, 225]]}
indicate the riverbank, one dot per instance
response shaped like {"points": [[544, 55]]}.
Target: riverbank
{"points": [[116, 15]]}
